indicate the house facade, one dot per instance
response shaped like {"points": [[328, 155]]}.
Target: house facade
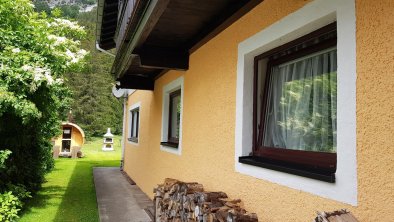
{"points": [[286, 105]]}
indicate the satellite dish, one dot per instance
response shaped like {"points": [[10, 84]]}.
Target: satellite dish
{"points": [[119, 92]]}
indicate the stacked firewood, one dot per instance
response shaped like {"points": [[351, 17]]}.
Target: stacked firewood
{"points": [[177, 201]]}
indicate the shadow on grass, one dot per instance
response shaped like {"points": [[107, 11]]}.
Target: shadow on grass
{"points": [[69, 193], [40, 200], [79, 201]]}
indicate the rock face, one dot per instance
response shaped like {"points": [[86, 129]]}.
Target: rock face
{"points": [[180, 201], [53, 3]]}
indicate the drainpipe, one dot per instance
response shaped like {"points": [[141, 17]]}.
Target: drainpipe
{"points": [[123, 130], [103, 50]]}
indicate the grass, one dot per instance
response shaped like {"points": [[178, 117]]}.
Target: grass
{"points": [[69, 193]]}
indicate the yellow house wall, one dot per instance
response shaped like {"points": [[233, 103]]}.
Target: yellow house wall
{"points": [[209, 122], [137, 155]]}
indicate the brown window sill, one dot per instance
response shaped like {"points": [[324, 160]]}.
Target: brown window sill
{"points": [[174, 145], [290, 168], [133, 139]]}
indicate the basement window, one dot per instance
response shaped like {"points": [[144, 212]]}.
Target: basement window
{"points": [[172, 116]]}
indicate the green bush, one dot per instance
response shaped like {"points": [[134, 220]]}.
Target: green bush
{"points": [[69, 11], [94, 107], [11, 200], [35, 53], [9, 206], [3, 156]]}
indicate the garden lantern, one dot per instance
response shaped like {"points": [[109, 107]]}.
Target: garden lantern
{"points": [[108, 144]]}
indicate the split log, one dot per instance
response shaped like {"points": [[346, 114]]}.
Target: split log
{"points": [[336, 216], [186, 202]]}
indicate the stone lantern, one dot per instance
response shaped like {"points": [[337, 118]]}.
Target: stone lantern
{"points": [[108, 144]]}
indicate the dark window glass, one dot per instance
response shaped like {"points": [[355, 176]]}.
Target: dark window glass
{"points": [[174, 116], [67, 132], [134, 128]]}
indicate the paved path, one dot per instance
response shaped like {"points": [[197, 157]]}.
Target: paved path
{"points": [[117, 199]]}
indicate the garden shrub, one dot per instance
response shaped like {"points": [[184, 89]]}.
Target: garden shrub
{"points": [[9, 206], [11, 200], [35, 53], [3, 156]]}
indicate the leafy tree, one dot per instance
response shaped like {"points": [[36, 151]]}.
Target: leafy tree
{"points": [[42, 6], [87, 2], [94, 107], [35, 53], [69, 11]]}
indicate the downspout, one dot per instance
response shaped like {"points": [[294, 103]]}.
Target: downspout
{"points": [[103, 50], [124, 130]]}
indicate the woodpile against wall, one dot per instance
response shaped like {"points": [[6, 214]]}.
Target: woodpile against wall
{"points": [[177, 201]]}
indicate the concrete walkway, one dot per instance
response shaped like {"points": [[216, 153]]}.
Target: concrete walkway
{"points": [[117, 199]]}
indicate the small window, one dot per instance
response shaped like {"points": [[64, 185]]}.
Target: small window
{"points": [[134, 127], [67, 132], [294, 114]]}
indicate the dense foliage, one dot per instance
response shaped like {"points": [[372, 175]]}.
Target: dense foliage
{"points": [[35, 52], [94, 107], [69, 8], [69, 11], [42, 6]]}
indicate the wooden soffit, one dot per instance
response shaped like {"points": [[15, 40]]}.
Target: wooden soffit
{"points": [[168, 32], [107, 14]]}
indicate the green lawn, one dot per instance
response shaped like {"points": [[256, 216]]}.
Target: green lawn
{"points": [[69, 193]]}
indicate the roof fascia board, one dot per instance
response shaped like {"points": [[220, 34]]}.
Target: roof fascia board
{"points": [[152, 10]]}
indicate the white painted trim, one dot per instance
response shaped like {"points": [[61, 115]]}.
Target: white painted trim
{"points": [[132, 107], [309, 18], [167, 89], [131, 91]]}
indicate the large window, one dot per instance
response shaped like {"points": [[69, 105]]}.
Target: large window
{"points": [[173, 119], [294, 114], [171, 132], [134, 124], [267, 162]]}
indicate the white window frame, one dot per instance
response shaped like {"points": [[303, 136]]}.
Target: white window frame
{"points": [[305, 20], [167, 90], [133, 107], [131, 91]]}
